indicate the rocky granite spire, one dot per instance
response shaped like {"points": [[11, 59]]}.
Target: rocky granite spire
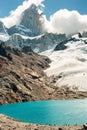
{"points": [[33, 20]]}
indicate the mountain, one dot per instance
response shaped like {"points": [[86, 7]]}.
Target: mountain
{"points": [[21, 76], [30, 32], [33, 20], [31, 23], [26, 75], [39, 43]]}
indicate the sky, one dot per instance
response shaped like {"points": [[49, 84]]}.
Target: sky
{"points": [[7, 5], [60, 16]]}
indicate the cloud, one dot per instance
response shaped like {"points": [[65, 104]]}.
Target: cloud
{"points": [[65, 21], [15, 15]]}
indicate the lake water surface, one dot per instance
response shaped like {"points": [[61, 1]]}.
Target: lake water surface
{"points": [[58, 112]]}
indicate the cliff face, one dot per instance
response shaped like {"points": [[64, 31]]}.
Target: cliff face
{"points": [[33, 20], [21, 77]]}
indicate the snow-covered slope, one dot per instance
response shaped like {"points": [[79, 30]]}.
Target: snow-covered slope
{"points": [[4, 37], [28, 37], [69, 66]]}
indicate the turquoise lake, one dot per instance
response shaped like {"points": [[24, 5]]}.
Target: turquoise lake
{"points": [[58, 112]]}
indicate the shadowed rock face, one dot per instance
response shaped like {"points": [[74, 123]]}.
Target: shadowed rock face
{"points": [[26, 49], [84, 34], [61, 46], [4, 52]]}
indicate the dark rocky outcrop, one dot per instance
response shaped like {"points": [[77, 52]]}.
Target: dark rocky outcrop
{"points": [[4, 52], [84, 34], [26, 49], [80, 35], [85, 127], [61, 46]]}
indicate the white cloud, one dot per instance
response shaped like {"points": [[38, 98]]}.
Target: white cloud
{"points": [[65, 21], [15, 15]]}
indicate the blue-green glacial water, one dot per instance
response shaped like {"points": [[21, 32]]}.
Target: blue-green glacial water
{"points": [[58, 112]]}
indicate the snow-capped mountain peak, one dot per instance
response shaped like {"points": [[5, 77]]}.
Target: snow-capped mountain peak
{"points": [[31, 23], [31, 19]]}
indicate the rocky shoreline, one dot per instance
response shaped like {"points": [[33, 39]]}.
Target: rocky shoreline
{"points": [[7, 123]]}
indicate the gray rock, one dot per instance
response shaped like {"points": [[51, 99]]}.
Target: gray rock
{"points": [[61, 46], [43, 43]]}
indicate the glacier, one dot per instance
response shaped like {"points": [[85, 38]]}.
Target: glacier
{"points": [[70, 64]]}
